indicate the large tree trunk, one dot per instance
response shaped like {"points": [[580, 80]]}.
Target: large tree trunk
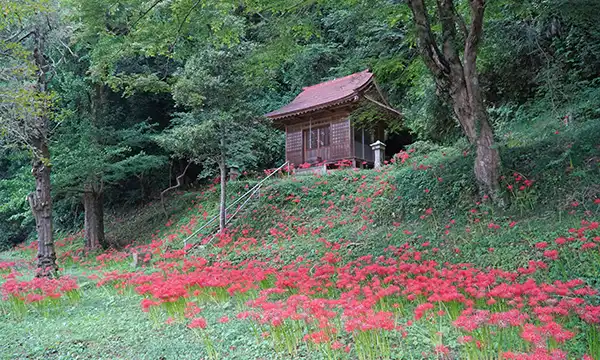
{"points": [[487, 162], [41, 200], [93, 191], [471, 113], [457, 80], [41, 205], [93, 204]]}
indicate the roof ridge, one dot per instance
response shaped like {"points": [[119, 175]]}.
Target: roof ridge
{"points": [[329, 82]]}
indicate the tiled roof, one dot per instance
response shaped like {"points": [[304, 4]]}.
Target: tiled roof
{"points": [[323, 95]]}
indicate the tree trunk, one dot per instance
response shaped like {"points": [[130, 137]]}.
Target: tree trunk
{"points": [[223, 202], [471, 113], [487, 164], [41, 205], [93, 191], [41, 199], [457, 79], [93, 204]]}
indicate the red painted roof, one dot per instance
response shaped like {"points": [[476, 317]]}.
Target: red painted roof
{"points": [[323, 95]]}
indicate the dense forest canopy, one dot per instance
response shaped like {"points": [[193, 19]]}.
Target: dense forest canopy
{"points": [[127, 94]]}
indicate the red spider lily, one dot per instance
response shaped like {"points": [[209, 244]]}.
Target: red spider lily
{"points": [[147, 304], [589, 245], [318, 337], [560, 241], [421, 309], [198, 323], [402, 156], [191, 310], [537, 335], [493, 226], [336, 345], [7, 265], [551, 254], [442, 349], [470, 320], [37, 289]]}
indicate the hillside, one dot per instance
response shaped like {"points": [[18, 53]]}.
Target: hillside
{"points": [[400, 263]]}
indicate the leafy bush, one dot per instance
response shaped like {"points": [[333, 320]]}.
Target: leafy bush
{"points": [[16, 221]]}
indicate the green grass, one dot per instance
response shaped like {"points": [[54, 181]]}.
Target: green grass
{"points": [[107, 326]]}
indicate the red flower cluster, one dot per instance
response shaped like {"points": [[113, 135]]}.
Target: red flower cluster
{"points": [[37, 289], [6, 266]]}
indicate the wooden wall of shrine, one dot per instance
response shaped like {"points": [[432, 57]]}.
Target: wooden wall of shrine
{"points": [[320, 137]]}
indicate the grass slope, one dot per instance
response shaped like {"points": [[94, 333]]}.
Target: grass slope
{"points": [[425, 204]]}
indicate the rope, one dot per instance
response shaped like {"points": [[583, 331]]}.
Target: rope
{"points": [[209, 242], [254, 188]]}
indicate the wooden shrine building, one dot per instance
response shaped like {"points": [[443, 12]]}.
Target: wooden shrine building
{"points": [[317, 125]]}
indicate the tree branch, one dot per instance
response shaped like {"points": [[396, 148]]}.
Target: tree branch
{"points": [[474, 37], [380, 93], [145, 13], [179, 183], [68, 49], [13, 36], [470, 68], [432, 56], [172, 46], [384, 106], [446, 14], [25, 36], [461, 23], [187, 15]]}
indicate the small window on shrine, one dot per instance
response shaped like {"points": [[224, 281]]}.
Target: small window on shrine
{"points": [[313, 139], [324, 136], [318, 137]]}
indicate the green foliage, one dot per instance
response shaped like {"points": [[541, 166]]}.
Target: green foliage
{"points": [[434, 177], [105, 317], [117, 156], [28, 27], [95, 150], [369, 114], [135, 30], [427, 115], [221, 120], [134, 81], [16, 222]]}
